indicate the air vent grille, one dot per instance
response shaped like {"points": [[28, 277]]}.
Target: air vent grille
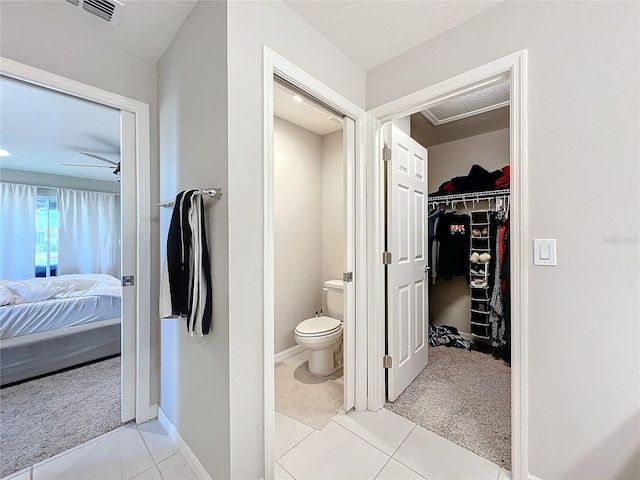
{"points": [[108, 10], [101, 8]]}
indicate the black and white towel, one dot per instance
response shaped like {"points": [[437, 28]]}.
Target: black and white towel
{"points": [[185, 289], [448, 336]]}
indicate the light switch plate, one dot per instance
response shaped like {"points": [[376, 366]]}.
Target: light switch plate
{"points": [[544, 252]]}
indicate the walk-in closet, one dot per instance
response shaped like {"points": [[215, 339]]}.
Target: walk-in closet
{"points": [[464, 392]]}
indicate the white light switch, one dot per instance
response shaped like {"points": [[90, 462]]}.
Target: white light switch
{"points": [[544, 252]]}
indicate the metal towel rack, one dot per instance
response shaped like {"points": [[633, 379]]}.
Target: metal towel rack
{"points": [[209, 192]]}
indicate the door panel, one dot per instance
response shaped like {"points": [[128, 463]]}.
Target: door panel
{"points": [[407, 322]]}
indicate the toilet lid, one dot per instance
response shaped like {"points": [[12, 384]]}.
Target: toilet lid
{"points": [[318, 326]]}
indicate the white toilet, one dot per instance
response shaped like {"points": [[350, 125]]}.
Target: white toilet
{"points": [[320, 335]]}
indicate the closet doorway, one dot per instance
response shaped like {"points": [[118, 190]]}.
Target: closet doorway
{"points": [[406, 302], [129, 330]]}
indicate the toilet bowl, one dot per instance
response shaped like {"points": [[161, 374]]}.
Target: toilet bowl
{"points": [[320, 335]]}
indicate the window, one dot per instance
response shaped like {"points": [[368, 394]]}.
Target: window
{"points": [[46, 260]]}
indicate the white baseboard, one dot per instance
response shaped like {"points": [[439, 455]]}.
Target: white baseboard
{"points": [[192, 460], [533, 477], [153, 410], [290, 352]]}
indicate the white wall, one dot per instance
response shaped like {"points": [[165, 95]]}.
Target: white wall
{"points": [[298, 216], [192, 89], [449, 302], [251, 26], [583, 123], [333, 246], [455, 159], [66, 47]]}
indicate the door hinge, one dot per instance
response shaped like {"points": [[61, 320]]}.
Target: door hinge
{"points": [[387, 362], [128, 281], [347, 277], [386, 154], [386, 258]]}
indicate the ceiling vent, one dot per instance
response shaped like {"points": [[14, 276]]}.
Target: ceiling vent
{"points": [[108, 10]]}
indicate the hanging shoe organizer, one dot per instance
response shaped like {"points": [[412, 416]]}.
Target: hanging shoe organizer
{"points": [[479, 260]]}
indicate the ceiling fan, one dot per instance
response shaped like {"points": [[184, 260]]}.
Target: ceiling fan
{"points": [[114, 165]]}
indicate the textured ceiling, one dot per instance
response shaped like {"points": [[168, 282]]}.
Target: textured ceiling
{"points": [[428, 135], [494, 94]]}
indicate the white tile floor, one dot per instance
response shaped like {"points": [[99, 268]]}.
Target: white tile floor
{"points": [[359, 445], [140, 452], [373, 445]]}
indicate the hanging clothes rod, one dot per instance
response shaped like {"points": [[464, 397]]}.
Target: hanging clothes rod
{"points": [[209, 192], [468, 196]]}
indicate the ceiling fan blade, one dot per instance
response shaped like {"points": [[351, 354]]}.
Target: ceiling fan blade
{"points": [[85, 165], [99, 157]]}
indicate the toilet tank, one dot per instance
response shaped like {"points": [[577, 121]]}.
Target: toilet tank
{"points": [[333, 288]]}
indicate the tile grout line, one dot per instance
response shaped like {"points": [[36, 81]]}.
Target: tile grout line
{"points": [[383, 467], [296, 444], [288, 472], [404, 439], [77, 447], [363, 439], [401, 463]]}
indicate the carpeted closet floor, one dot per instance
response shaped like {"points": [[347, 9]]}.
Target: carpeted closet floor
{"points": [[43, 417], [464, 397]]}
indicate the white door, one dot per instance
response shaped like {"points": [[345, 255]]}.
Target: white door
{"points": [[407, 237], [128, 234], [349, 306]]}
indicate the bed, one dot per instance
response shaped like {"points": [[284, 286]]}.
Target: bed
{"points": [[48, 324]]}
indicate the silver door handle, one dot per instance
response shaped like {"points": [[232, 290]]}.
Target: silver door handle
{"points": [[427, 268]]}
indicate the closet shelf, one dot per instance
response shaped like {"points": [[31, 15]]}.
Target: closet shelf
{"points": [[479, 336], [488, 194], [479, 311]]}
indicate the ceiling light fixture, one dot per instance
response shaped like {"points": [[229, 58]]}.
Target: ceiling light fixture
{"points": [[297, 98], [4, 153]]}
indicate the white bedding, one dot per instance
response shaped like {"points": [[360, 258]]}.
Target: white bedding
{"points": [[44, 304]]}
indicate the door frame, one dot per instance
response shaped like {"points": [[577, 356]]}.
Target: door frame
{"points": [[355, 377], [136, 387], [516, 65]]}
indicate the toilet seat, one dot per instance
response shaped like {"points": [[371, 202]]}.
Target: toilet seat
{"points": [[318, 327]]}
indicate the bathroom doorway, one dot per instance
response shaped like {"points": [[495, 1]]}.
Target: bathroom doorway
{"points": [[309, 261], [355, 260]]}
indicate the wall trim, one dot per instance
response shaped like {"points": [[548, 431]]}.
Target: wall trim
{"points": [[136, 392], [288, 353], [153, 411], [516, 65], [191, 458]]}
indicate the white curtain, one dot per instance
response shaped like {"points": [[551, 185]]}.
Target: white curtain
{"points": [[86, 232], [17, 231]]}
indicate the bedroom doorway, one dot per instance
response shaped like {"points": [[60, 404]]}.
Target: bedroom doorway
{"points": [[126, 166]]}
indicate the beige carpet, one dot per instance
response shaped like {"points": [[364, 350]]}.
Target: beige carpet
{"points": [[43, 417], [464, 397], [308, 398]]}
